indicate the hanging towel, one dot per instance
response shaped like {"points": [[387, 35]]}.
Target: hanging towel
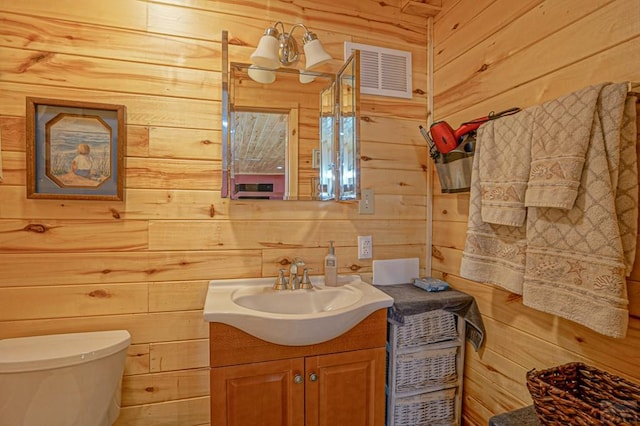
{"points": [[504, 167], [493, 253], [570, 262], [561, 134], [576, 262]]}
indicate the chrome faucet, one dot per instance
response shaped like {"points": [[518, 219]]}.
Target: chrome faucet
{"points": [[296, 280], [294, 275]]}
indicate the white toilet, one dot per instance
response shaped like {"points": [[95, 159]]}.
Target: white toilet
{"points": [[62, 379]]}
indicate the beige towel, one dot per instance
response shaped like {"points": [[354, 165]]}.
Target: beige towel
{"points": [[504, 166], [575, 261], [492, 253], [561, 133], [571, 262]]}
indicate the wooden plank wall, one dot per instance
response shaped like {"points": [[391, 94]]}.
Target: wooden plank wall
{"points": [[143, 264], [491, 55]]}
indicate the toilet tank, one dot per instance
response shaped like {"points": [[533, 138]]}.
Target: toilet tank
{"points": [[62, 379]]}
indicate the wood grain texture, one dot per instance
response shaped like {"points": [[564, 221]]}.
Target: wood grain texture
{"points": [[231, 346], [93, 267], [522, 55], [558, 53]]}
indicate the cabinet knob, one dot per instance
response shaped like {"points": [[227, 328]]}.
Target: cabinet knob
{"points": [[313, 377], [297, 379]]}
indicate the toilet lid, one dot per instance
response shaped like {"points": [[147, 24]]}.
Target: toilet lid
{"points": [[59, 350]]}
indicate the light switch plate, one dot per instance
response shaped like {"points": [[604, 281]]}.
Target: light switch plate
{"points": [[366, 204]]}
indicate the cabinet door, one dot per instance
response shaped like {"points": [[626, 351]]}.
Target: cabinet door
{"points": [[259, 394], [347, 389]]}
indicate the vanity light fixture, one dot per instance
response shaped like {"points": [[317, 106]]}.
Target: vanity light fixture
{"points": [[280, 48]]}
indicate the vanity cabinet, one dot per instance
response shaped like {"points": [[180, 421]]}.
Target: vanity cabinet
{"points": [[339, 382]]}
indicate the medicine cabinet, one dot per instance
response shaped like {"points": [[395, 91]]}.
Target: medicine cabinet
{"points": [[289, 134]]}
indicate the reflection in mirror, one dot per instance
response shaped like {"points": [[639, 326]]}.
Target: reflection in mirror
{"points": [[263, 138], [348, 122], [259, 155], [326, 184]]}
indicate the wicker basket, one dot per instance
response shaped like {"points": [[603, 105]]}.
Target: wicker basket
{"points": [[428, 409], [425, 368], [425, 328], [576, 394]]}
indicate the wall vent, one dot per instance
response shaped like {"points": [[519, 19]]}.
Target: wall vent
{"points": [[384, 72]]}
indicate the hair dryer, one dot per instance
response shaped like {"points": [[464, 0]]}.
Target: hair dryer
{"points": [[446, 139]]}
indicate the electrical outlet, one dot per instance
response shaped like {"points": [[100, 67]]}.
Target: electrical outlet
{"points": [[365, 247], [366, 204]]}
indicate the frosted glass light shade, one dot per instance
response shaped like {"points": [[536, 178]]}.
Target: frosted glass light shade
{"points": [[266, 54], [261, 75], [306, 78], [315, 54]]}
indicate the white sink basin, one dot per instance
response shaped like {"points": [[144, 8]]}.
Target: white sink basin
{"points": [[292, 317]]}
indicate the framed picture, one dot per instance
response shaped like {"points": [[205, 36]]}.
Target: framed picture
{"points": [[75, 150]]}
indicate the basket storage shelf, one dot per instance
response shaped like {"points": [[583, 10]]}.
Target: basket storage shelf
{"points": [[577, 394], [425, 328], [425, 369], [427, 409]]}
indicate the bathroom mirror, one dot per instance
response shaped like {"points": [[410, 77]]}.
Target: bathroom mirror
{"points": [[348, 147], [279, 133]]}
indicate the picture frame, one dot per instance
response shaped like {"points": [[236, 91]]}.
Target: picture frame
{"points": [[75, 150]]}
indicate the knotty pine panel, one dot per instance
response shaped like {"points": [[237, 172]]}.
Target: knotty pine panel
{"points": [[251, 19], [348, 262], [169, 173], [509, 376], [609, 65], [568, 340], [177, 295], [14, 168], [394, 156], [393, 181], [13, 133], [381, 128], [195, 235], [15, 205], [144, 328], [72, 301], [545, 20], [180, 355], [169, 142], [83, 72], [608, 27], [450, 207], [99, 41], [198, 204], [448, 23], [192, 411], [142, 109], [118, 13], [137, 361], [166, 386], [82, 236], [60, 269]]}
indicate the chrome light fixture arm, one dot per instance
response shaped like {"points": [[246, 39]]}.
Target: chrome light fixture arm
{"points": [[288, 50]]}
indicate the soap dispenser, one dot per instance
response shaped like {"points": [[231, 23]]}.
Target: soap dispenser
{"points": [[331, 267]]}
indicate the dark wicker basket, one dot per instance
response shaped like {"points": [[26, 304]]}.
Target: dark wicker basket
{"points": [[576, 394]]}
